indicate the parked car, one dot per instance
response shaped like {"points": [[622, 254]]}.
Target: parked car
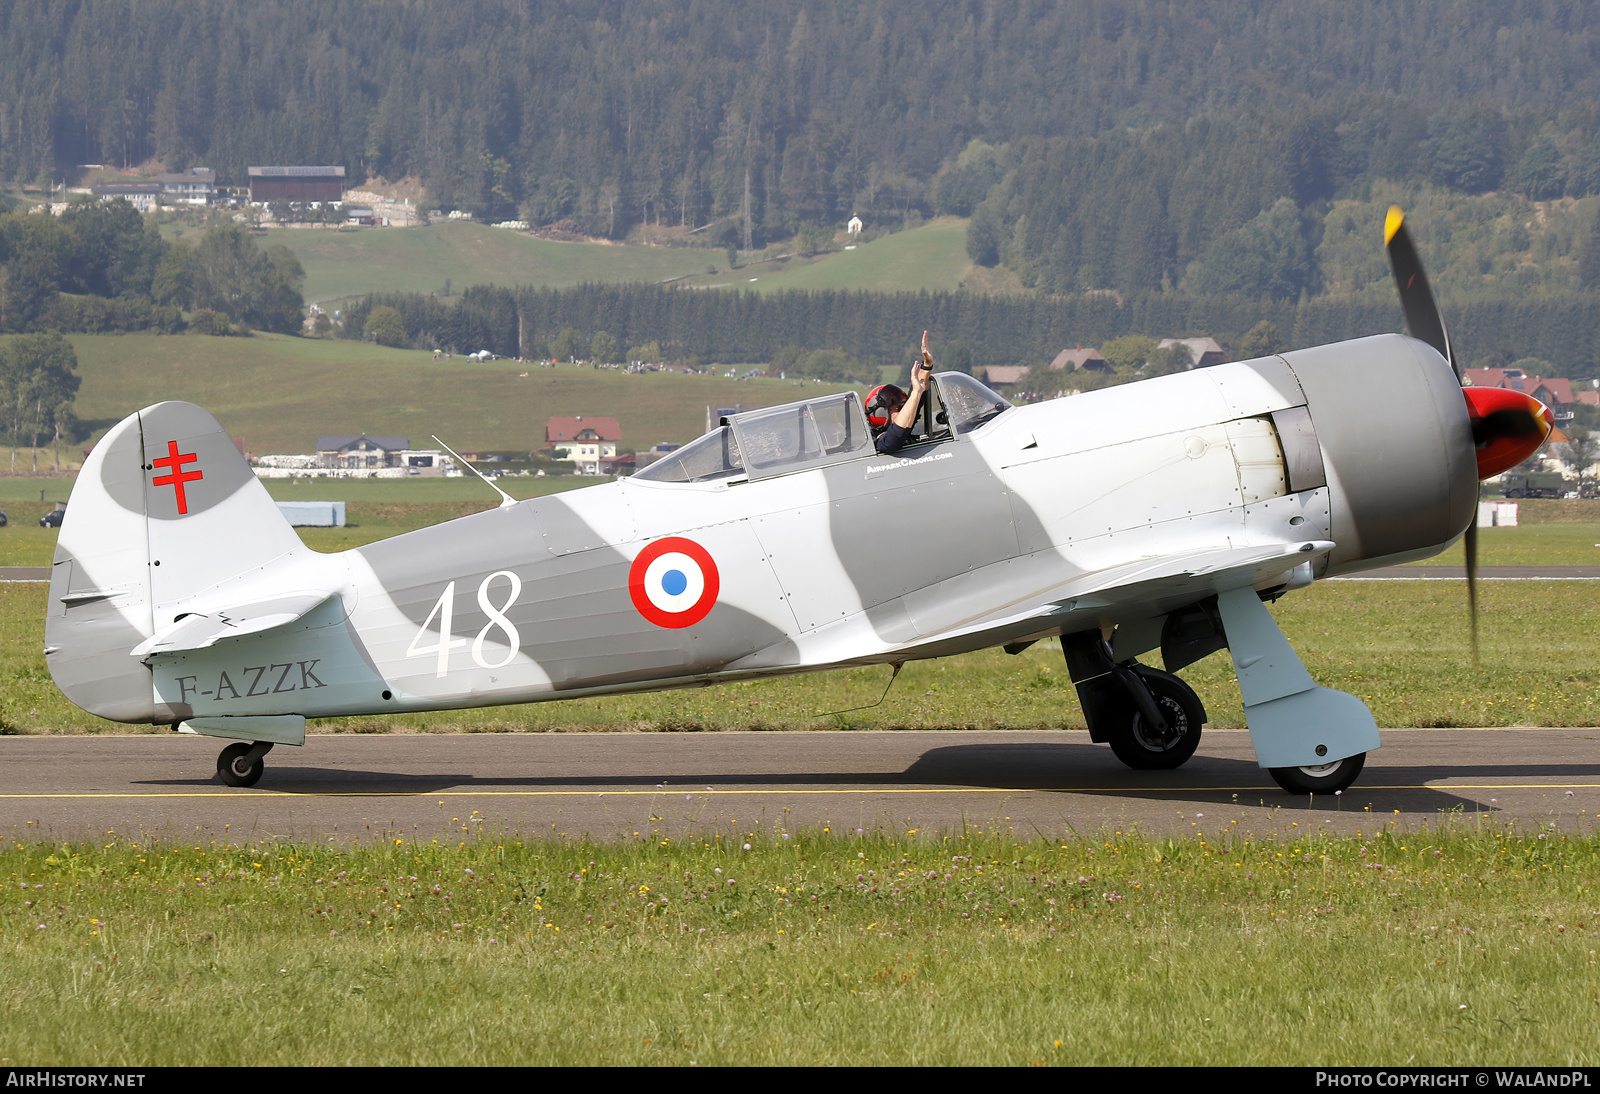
{"points": [[52, 519]]}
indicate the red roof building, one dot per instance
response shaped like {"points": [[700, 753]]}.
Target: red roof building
{"points": [[1081, 357], [587, 441], [1560, 391], [1004, 374], [1487, 377], [562, 430]]}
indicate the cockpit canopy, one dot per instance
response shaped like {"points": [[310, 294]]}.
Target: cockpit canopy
{"points": [[819, 432]]}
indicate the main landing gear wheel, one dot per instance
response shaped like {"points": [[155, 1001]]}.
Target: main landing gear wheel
{"points": [[1326, 778], [1144, 746], [240, 765]]}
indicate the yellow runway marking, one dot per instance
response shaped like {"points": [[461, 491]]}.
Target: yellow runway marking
{"points": [[768, 791]]}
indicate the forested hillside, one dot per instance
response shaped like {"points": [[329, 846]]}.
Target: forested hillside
{"points": [[612, 114], [1151, 167]]}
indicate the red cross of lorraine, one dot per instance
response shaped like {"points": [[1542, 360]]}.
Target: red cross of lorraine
{"points": [[174, 462]]}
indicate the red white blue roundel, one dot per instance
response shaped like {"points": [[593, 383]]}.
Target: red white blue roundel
{"points": [[674, 582]]}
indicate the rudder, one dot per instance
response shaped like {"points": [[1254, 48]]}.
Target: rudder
{"points": [[164, 509]]}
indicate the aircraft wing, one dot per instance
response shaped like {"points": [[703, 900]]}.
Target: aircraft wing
{"points": [[1153, 581]]}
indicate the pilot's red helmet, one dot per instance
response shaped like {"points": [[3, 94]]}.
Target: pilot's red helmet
{"points": [[882, 402]]}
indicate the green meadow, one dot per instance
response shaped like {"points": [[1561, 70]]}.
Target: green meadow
{"points": [[342, 264], [280, 393], [931, 258], [1552, 532], [1467, 944], [353, 263]]}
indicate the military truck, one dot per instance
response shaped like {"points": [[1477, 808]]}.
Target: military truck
{"points": [[1533, 484]]}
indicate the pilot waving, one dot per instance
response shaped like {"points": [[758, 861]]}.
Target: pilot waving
{"points": [[891, 413]]}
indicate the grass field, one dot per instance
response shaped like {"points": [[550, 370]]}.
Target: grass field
{"points": [[1565, 544], [1464, 945], [375, 508], [1564, 532], [280, 393], [932, 258], [342, 264]]}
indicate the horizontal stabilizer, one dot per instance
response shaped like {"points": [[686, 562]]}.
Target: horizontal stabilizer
{"points": [[197, 631], [280, 729]]}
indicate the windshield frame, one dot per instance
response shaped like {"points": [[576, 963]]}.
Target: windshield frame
{"points": [[984, 393], [732, 461]]}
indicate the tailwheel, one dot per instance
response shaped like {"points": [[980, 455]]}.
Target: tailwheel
{"points": [[241, 764], [1142, 744], [1326, 778]]}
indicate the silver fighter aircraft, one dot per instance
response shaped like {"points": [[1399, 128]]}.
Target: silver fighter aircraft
{"points": [[1156, 515]]}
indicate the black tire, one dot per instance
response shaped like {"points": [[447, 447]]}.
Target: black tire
{"points": [[1323, 779], [1143, 748], [229, 770]]}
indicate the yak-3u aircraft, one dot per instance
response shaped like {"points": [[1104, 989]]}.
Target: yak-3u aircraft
{"points": [[1156, 515]]}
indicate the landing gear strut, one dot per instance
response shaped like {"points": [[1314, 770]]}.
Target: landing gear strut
{"points": [[240, 764], [1150, 718]]}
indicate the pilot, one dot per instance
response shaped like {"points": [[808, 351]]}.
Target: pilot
{"points": [[889, 409]]}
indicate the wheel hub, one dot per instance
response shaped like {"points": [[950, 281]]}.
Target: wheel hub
{"points": [[1156, 740]]}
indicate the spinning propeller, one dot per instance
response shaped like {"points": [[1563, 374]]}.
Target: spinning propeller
{"points": [[1507, 426]]}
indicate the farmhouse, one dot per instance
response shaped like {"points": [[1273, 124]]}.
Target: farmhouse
{"points": [[1081, 357], [587, 441], [1203, 352], [196, 186], [1002, 375], [143, 196]]}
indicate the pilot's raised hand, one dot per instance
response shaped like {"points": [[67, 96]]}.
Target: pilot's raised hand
{"points": [[923, 368]]}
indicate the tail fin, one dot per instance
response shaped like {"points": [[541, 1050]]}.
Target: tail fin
{"points": [[164, 509]]}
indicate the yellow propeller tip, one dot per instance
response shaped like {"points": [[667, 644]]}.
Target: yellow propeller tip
{"points": [[1391, 224]]}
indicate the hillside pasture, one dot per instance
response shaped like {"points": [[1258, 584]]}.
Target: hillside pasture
{"points": [[932, 258], [344, 264], [341, 264], [280, 393]]}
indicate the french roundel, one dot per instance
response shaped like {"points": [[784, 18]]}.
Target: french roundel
{"points": [[674, 582]]}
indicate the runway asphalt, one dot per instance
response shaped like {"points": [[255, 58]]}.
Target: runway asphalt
{"points": [[608, 786]]}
